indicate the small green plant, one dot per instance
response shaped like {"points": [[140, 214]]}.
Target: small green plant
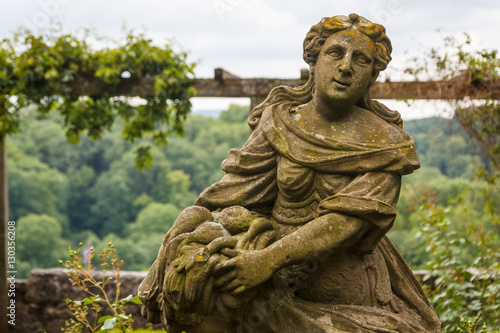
{"points": [[470, 326], [87, 312], [459, 290]]}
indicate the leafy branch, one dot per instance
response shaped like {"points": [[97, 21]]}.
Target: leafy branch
{"points": [[88, 87], [82, 274], [459, 291], [468, 68]]}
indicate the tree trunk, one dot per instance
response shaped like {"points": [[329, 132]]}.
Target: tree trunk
{"points": [[4, 213]]}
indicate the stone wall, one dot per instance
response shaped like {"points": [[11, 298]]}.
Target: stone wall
{"points": [[41, 300]]}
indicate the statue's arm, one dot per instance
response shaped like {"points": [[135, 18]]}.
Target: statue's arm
{"points": [[358, 216], [321, 236]]}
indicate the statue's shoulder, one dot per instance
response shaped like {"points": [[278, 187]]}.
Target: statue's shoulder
{"points": [[372, 129]]}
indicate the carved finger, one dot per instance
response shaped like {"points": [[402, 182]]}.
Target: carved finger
{"points": [[220, 243], [232, 285], [223, 267], [225, 279], [230, 252], [266, 239], [259, 225], [239, 290]]}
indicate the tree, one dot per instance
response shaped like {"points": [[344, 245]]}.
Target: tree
{"points": [[37, 188], [137, 254], [113, 204], [116, 190], [237, 114], [179, 193], [39, 240], [193, 160], [80, 199], [154, 218]]}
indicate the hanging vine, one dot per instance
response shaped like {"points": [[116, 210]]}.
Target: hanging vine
{"points": [[91, 89]]}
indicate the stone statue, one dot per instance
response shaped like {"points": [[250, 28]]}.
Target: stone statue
{"points": [[292, 238]]}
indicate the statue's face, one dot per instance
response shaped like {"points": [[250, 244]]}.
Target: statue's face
{"points": [[344, 68]]}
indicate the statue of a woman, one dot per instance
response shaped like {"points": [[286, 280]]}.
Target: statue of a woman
{"points": [[292, 239]]}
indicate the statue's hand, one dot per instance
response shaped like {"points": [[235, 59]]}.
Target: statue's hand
{"points": [[247, 269]]}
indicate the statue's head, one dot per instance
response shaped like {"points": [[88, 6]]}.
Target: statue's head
{"points": [[328, 26], [313, 44]]}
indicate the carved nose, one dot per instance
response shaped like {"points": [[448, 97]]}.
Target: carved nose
{"points": [[345, 67]]}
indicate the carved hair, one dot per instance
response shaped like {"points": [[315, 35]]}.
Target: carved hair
{"points": [[313, 43], [329, 25]]}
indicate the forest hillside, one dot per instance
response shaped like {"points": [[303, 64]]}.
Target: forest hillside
{"points": [[63, 194]]}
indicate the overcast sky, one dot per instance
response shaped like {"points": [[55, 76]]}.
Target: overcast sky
{"points": [[257, 38]]}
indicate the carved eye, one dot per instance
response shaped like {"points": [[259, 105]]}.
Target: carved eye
{"points": [[336, 54], [362, 60]]}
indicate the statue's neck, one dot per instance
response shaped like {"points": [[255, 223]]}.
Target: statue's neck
{"points": [[331, 113]]}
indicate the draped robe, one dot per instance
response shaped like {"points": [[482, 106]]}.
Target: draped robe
{"points": [[292, 177]]}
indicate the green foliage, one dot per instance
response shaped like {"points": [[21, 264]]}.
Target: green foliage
{"points": [[195, 161], [456, 56], [113, 203], [104, 193], [116, 190], [468, 67], [36, 188], [80, 199], [96, 191], [462, 289], [50, 71], [236, 114], [154, 218], [483, 125], [39, 239], [82, 274], [205, 144], [471, 326], [440, 140], [469, 210], [137, 251], [462, 234]]}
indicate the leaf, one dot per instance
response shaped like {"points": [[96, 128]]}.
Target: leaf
{"points": [[109, 324], [90, 300], [131, 298], [73, 136], [102, 319], [87, 301], [144, 157]]}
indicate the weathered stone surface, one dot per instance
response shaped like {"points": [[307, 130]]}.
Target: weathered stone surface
{"points": [[292, 238]]}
